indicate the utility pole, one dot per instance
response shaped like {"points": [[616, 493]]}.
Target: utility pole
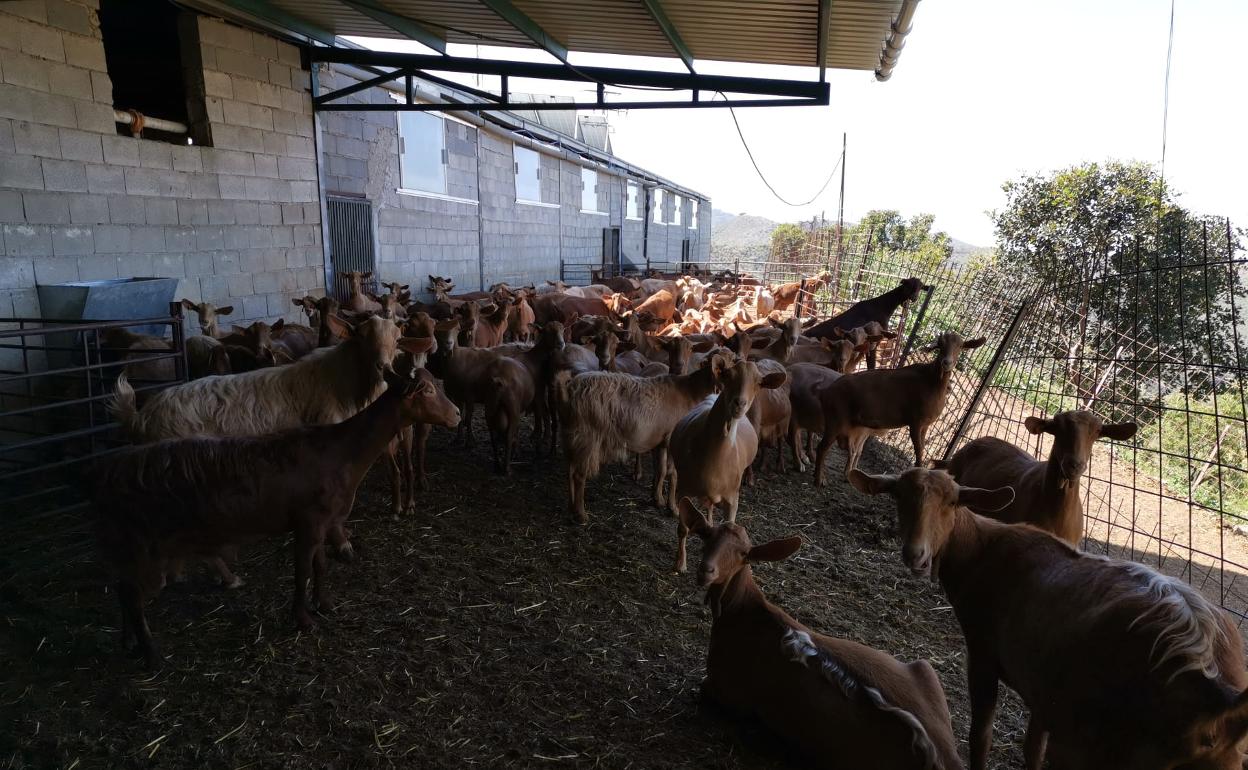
{"points": [[840, 204]]}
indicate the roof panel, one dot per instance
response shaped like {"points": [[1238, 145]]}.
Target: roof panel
{"points": [[761, 31]]}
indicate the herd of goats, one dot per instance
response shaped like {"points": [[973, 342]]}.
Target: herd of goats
{"points": [[1118, 665]]}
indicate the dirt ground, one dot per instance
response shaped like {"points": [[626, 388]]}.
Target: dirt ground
{"points": [[485, 630]]}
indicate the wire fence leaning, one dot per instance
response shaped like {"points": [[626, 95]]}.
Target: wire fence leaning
{"points": [[1154, 334]]}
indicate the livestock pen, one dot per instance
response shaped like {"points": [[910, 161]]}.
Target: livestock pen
{"points": [[487, 630]]}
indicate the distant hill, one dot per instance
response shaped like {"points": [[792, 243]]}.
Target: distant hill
{"points": [[739, 236], [963, 250]]}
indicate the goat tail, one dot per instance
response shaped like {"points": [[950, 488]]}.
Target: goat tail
{"points": [[122, 404], [800, 648]]}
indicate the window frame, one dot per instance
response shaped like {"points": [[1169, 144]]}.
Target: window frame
{"points": [[632, 200], [585, 191], [693, 213], [677, 214], [444, 153], [658, 216], [537, 158]]}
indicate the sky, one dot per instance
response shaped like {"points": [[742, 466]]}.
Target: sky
{"points": [[985, 90]]}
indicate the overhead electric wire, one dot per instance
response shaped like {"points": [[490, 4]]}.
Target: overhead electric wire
{"points": [[1165, 110], [763, 177]]}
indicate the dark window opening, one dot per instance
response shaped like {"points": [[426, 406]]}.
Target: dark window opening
{"points": [[152, 51]]}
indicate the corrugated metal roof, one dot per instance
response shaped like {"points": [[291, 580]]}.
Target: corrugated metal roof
{"points": [[757, 31]]}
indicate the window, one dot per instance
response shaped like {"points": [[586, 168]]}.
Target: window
{"points": [[634, 193], [528, 174], [658, 207], [422, 152], [589, 189], [693, 213], [676, 209], [152, 51]]}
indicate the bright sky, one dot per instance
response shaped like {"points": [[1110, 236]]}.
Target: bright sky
{"points": [[985, 90]]}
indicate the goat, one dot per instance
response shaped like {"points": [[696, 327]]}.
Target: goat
{"points": [[492, 323], [1120, 666], [357, 302], [806, 412], [469, 314], [606, 415], [878, 309], [842, 704], [327, 386], [1046, 493], [522, 318], [714, 443], [182, 497], [205, 356], [786, 295], [770, 415], [661, 305], [208, 315], [877, 400], [140, 350]]}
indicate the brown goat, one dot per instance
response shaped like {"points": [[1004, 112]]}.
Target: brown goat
{"points": [[208, 315], [1046, 493], [492, 323], [714, 443], [860, 405], [606, 415], [841, 704], [357, 302], [1120, 666], [182, 497]]}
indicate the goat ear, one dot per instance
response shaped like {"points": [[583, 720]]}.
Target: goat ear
{"points": [[972, 344], [838, 332], [987, 500], [489, 309], [890, 335], [872, 485], [295, 302], [773, 380], [278, 324], [1120, 431], [703, 346], [339, 327], [775, 323], [1036, 425], [776, 550], [191, 306], [416, 345], [692, 518], [227, 310]]}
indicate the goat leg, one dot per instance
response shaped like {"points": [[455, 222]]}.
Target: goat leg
{"points": [[576, 495], [825, 443], [982, 683], [1037, 738], [131, 596], [228, 578], [918, 436], [420, 435], [406, 437], [305, 547], [660, 473], [396, 480], [637, 467], [320, 597]]}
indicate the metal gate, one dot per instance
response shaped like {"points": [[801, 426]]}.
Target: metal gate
{"points": [[351, 244], [610, 251]]}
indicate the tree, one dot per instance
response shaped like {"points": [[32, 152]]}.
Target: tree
{"points": [[887, 230], [1110, 245], [786, 243]]}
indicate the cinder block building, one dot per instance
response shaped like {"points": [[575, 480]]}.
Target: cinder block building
{"points": [[141, 138]]}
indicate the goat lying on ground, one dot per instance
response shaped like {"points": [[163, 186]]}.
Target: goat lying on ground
{"points": [[878, 400], [841, 704], [1046, 493], [196, 496], [1120, 666]]}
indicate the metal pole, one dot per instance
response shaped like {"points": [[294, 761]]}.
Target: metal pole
{"points": [[914, 330], [984, 384], [840, 201]]}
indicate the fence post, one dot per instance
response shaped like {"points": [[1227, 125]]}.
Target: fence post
{"points": [[985, 383], [914, 330]]}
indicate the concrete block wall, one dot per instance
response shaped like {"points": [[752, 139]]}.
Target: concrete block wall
{"points": [[418, 235], [238, 223], [520, 240]]}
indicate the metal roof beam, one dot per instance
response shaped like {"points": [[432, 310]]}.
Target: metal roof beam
{"points": [[401, 24], [670, 32], [821, 48], [531, 29], [685, 81], [271, 13]]}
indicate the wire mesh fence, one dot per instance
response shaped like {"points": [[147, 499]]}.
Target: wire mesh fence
{"points": [[1154, 334]]}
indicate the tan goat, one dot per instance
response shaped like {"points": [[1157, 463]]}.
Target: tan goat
{"points": [[1046, 493], [873, 402], [714, 443], [606, 415]]}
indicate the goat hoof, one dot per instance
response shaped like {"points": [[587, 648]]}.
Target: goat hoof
{"points": [[236, 582], [345, 552], [304, 621]]}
